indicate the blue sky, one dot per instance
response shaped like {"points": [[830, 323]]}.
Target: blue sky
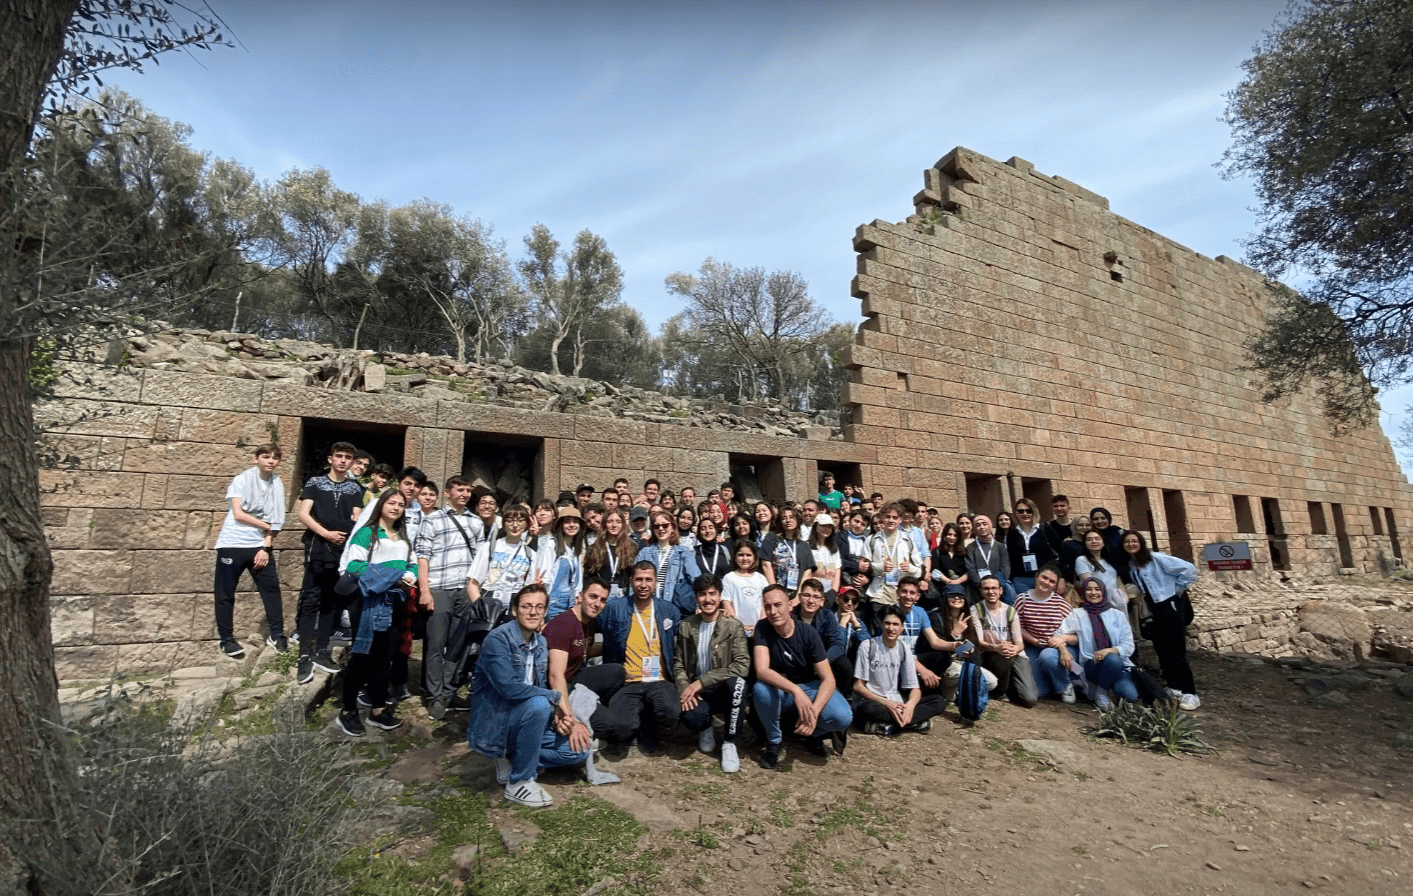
{"points": [[755, 133]]}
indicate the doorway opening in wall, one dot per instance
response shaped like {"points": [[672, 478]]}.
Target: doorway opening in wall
{"points": [[1317, 518], [985, 494], [1376, 518], [1175, 509], [757, 477], [1140, 513], [1241, 506], [1041, 492], [844, 474], [509, 465], [1393, 535], [1275, 533], [1346, 551], [386, 442]]}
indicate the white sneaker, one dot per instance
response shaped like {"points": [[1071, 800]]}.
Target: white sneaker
{"points": [[1101, 700], [528, 793], [1067, 695], [706, 741], [1174, 693], [502, 770], [1189, 702], [730, 761]]}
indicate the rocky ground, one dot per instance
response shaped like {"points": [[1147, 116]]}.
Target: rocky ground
{"points": [[1309, 788]]}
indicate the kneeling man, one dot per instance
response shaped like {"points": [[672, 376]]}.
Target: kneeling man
{"points": [[710, 664]]}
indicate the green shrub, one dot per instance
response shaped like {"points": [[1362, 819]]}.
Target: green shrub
{"points": [[1163, 728]]}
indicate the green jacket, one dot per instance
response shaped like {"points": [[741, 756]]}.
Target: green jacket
{"points": [[730, 658]]}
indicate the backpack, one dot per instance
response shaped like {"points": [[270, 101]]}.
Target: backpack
{"points": [[463, 644], [972, 696]]}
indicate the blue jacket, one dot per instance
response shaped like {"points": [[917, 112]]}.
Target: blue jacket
{"points": [[615, 620], [377, 588], [500, 685], [682, 571], [836, 640]]}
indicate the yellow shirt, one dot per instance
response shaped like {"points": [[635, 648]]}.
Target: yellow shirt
{"points": [[639, 648]]}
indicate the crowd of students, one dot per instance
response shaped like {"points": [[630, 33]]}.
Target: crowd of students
{"points": [[608, 617]]}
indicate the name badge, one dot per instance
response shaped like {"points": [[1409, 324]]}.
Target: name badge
{"points": [[614, 591], [792, 579], [1028, 562], [652, 668], [891, 578]]}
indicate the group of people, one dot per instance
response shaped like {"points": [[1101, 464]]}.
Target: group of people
{"points": [[613, 616]]}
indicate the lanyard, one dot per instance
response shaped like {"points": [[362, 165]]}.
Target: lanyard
{"points": [[612, 564], [715, 557], [647, 629], [985, 554]]}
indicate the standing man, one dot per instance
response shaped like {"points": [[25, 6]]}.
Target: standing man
{"points": [[988, 557], [256, 515], [792, 672], [1062, 526], [520, 722], [583, 496], [710, 664], [446, 545], [828, 496], [326, 508], [891, 555], [639, 634]]}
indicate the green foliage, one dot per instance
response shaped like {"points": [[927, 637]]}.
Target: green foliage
{"points": [[1163, 727], [1322, 122], [43, 372]]}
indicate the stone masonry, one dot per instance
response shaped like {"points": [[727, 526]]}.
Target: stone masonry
{"points": [[1020, 339]]}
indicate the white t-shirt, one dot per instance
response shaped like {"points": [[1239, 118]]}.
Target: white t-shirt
{"points": [[262, 499], [825, 560], [883, 671], [744, 593]]}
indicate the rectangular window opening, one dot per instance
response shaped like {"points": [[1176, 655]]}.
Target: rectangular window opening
{"points": [[844, 474], [1041, 492], [1318, 526], [509, 465], [1275, 534], [1140, 514], [757, 478], [1393, 533], [1241, 504], [1175, 509], [985, 494], [384, 441], [1346, 550], [1376, 517]]}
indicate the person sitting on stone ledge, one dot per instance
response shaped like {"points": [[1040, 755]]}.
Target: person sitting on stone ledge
{"points": [[997, 635]]}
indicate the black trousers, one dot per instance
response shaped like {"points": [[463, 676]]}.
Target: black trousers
{"points": [[1168, 632], [319, 606], [230, 563], [372, 669], [604, 679], [930, 705], [728, 698], [649, 706]]}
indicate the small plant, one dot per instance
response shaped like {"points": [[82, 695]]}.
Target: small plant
{"points": [[1163, 729]]}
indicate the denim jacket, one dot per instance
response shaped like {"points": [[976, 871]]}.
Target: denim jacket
{"points": [[682, 571], [617, 616], [500, 685]]}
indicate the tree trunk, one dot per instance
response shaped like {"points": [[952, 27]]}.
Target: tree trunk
{"points": [[554, 351], [37, 781]]}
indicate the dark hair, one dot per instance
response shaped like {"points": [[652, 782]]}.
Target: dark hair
{"points": [[910, 580], [995, 579], [427, 483], [1107, 515], [595, 507], [385, 469], [594, 581], [651, 482], [618, 480], [414, 474], [544, 504], [1144, 556], [748, 545], [645, 564], [375, 520], [454, 481], [531, 588], [705, 582], [1049, 567], [750, 524], [959, 546], [816, 584], [892, 610], [1064, 498], [269, 448], [477, 493], [909, 506], [596, 556], [774, 587], [348, 448]]}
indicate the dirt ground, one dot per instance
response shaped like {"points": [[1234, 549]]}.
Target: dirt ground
{"points": [[1304, 792]]}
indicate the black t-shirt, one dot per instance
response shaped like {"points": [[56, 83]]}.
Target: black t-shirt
{"points": [[793, 657], [333, 507], [953, 566]]}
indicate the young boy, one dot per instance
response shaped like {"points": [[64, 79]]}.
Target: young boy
{"points": [[378, 480], [326, 506], [358, 471], [827, 495], [256, 515]]}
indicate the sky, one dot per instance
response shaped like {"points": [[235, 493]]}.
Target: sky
{"points": [[759, 133]]}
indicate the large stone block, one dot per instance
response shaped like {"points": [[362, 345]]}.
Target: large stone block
{"points": [[72, 530], [228, 428], [116, 528], [195, 492], [490, 418], [91, 572], [194, 390], [331, 404], [77, 489], [87, 663], [71, 621], [1342, 628], [100, 383], [140, 617], [225, 460], [96, 418], [172, 572]]}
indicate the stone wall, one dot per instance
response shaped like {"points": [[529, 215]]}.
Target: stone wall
{"points": [[1023, 339], [1020, 339]]}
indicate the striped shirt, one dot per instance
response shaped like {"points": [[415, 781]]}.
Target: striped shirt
{"points": [[1041, 618], [447, 553]]}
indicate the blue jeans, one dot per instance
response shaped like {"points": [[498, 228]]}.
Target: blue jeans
{"points": [[771, 702], [1022, 584], [1050, 677], [1110, 674], [1008, 594], [533, 743]]}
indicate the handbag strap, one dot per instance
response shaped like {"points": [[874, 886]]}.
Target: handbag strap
{"points": [[464, 537]]}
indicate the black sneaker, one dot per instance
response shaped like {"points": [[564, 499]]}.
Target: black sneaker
{"points": [[815, 746], [351, 724], [232, 648], [326, 663], [384, 720], [459, 704], [280, 643], [339, 634], [305, 674], [400, 694], [770, 758], [840, 740], [364, 700]]}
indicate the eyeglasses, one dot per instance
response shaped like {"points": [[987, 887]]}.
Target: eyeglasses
{"points": [[1021, 511], [662, 525], [532, 608]]}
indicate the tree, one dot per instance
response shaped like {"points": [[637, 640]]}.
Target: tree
{"points": [[616, 343], [570, 287], [457, 266], [36, 62], [1323, 121], [765, 320], [313, 224]]}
